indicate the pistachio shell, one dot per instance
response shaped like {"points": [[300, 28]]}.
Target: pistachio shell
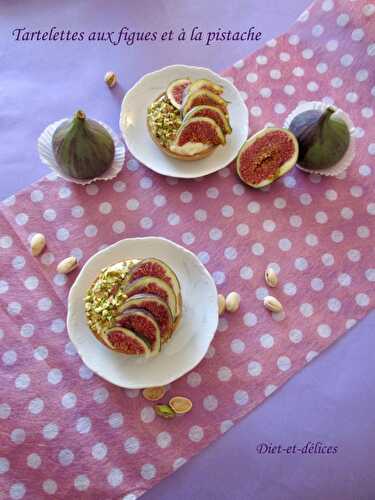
{"points": [[221, 303], [271, 277], [154, 393], [67, 265], [272, 304], [110, 79], [180, 405], [37, 244], [164, 411], [232, 301]]}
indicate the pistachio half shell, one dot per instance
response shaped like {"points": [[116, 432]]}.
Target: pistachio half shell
{"points": [[232, 301], [271, 277], [37, 244], [164, 411], [154, 393], [221, 303], [67, 265], [272, 304], [180, 405]]}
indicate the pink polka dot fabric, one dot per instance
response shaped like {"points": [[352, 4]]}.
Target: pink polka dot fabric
{"points": [[66, 433]]}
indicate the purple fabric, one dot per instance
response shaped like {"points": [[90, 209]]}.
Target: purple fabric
{"points": [[332, 400]]}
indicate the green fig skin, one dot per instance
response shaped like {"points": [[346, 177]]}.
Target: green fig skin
{"points": [[322, 137], [82, 147]]}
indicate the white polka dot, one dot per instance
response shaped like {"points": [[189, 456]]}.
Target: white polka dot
{"points": [[203, 257], [65, 457], [91, 230], [17, 491], [186, 197], [36, 406], [188, 238], [50, 486], [285, 245], [364, 170], [284, 363], [31, 282], [18, 436], [83, 425], [147, 414], [85, 373], [298, 71], [327, 5], [279, 203], [62, 234], [266, 341], [238, 189], [251, 77], [246, 272], [196, 433], [241, 397], [160, 200], [131, 445], [295, 220], [81, 482], [265, 92], [219, 277], [269, 389], [215, 234], [239, 64], [100, 395], [6, 241], [4, 465], [321, 67], [337, 236], [118, 227], [55, 376], [227, 211], [357, 34], [307, 53], [371, 149], [99, 451], [305, 199], [173, 219], [14, 308], [148, 471], [289, 289], [293, 39], [342, 20], [250, 319], [354, 255], [332, 45], [295, 336], [362, 299], [311, 240], [212, 192], [306, 310], [40, 353], [334, 304], [92, 189], [237, 346], [116, 420], [210, 403], [370, 274], [224, 374], [105, 208], [34, 461], [22, 381], [22, 219], [5, 410], [200, 215], [368, 9], [344, 279], [371, 208], [9, 357], [18, 262], [132, 204], [50, 431], [346, 60], [257, 249], [371, 50], [242, 229], [256, 111], [324, 330], [254, 368]]}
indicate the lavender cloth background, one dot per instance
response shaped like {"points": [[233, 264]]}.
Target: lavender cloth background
{"points": [[333, 399]]}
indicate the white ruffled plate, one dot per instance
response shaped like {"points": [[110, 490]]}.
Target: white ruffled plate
{"points": [[133, 123], [48, 158], [189, 342], [347, 159]]}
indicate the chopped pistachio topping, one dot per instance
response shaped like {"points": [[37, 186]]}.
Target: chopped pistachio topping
{"points": [[164, 120], [106, 296]]}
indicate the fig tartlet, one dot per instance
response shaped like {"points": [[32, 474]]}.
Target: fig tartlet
{"points": [[133, 307], [190, 119]]}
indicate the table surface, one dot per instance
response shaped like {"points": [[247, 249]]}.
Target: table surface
{"points": [[333, 399]]}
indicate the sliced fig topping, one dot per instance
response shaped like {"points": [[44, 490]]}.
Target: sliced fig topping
{"points": [[159, 269], [206, 85], [203, 97], [155, 286], [266, 156], [176, 90], [126, 341], [157, 307], [200, 130], [142, 323], [211, 112]]}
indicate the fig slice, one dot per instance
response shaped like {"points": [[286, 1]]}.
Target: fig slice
{"points": [[126, 341], [266, 156], [142, 323], [157, 307], [158, 268], [155, 286], [211, 112], [199, 130], [203, 97], [176, 91], [206, 85]]}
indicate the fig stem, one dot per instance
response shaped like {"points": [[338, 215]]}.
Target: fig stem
{"points": [[323, 119], [80, 115]]}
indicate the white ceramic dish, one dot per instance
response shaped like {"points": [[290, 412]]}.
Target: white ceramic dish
{"points": [[189, 342], [47, 156], [133, 123]]}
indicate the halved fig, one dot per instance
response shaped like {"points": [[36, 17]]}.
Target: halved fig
{"points": [[211, 112], [203, 97], [157, 307], [266, 156], [207, 85], [155, 286], [156, 267], [126, 341], [199, 130], [176, 90], [142, 323]]}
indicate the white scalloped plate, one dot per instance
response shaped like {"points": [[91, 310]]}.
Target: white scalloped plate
{"points": [[133, 123], [189, 342]]}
